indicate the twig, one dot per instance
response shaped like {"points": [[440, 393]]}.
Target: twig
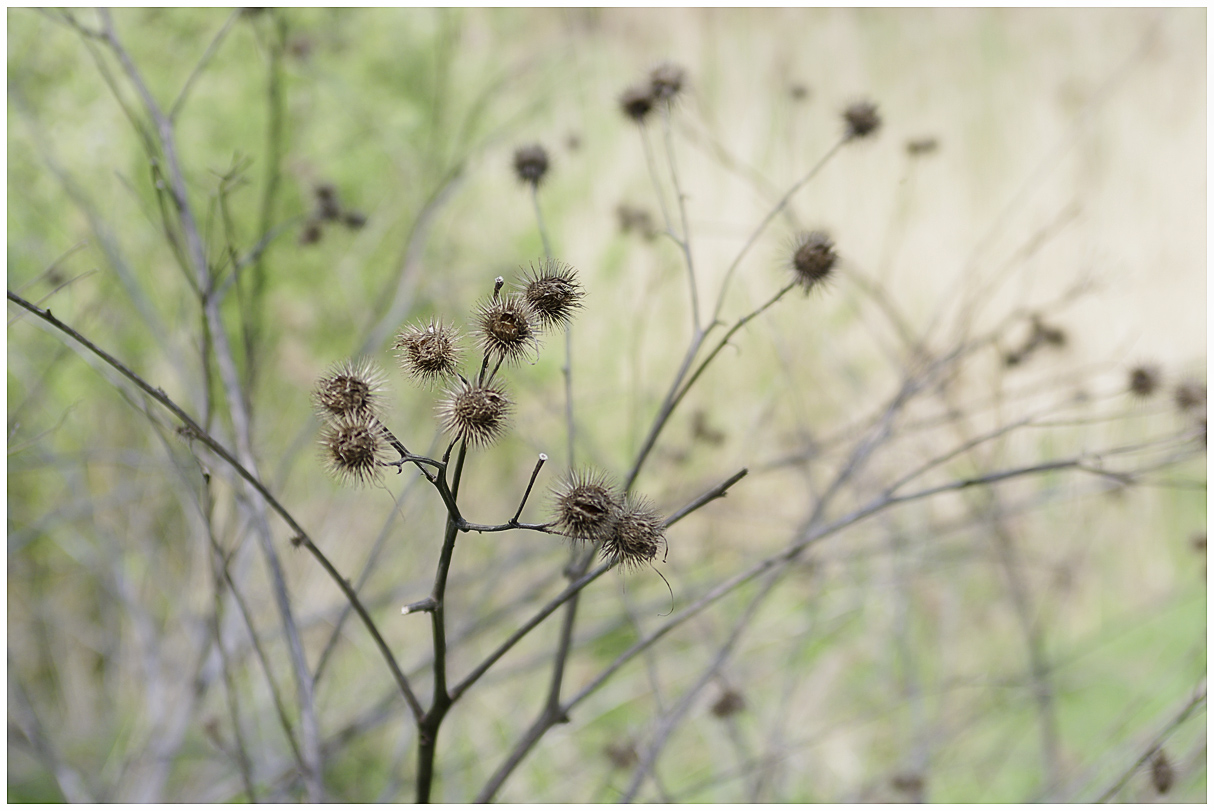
{"points": [[201, 435]]}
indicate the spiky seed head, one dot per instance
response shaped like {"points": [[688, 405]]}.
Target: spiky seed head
{"points": [[586, 506], [326, 197], [1144, 380], [637, 102], [666, 82], [730, 703], [862, 119], [475, 413], [311, 233], [1190, 395], [552, 291], [352, 388], [429, 351], [1162, 773], [918, 147], [354, 447], [531, 163], [813, 259], [622, 754], [506, 328], [637, 533]]}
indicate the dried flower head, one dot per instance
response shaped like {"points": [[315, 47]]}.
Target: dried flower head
{"points": [[637, 533], [506, 326], [1144, 380], [326, 199], [636, 102], [862, 119], [622, 755], [354, 220], [730, 703], [917, 147], [666, 82], [552, 291], [429, 351], [1162, 773], [354, 447], [1190, 395], [311, 233], [531, 163], [352, 388], [475, 413], [813, 259], [586, 506]]}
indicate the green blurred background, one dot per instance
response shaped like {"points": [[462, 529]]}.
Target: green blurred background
{"points": [[891, 662]]}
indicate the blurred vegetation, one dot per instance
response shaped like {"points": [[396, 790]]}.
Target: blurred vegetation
{"points": [[1034, 639]]}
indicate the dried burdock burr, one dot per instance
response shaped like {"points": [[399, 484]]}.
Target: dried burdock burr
{"points": [[1189, 395], [354, 220], [354, 448], [666, 82], [637, 103], [552, 291], [1162, 773], [586, 506], [862, 120], [622, 755], [326, 199], [1144, 380], [429, 352], [531, 163], [475, 413], [637, 533], [918, 147], [813, 259], [730, 703], [506, 328], [311, 233], [352, 388]]}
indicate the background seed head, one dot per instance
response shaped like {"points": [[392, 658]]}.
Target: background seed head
{"points": [[813, 259], [637, 102], [429, 352], [1190, 394], [587, 505], [1144, 380], [352, 388], [475, 414], [353, 448], [638, 532], [506, 328], [666, 82], [862, 119], [552, 291], [531, 163]]}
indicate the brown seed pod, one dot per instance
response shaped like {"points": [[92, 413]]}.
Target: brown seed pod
{"points": [[429, 352], [553, 293], [666, 82], [506, 328], [1190, 395], [586, 506], [1144, 380], [352, 388], [813, 259], [1163, 776], [475, 414], [637, 103], [531, 163], [636, 535], [354, 447], [730, 703], [862, 119]]}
